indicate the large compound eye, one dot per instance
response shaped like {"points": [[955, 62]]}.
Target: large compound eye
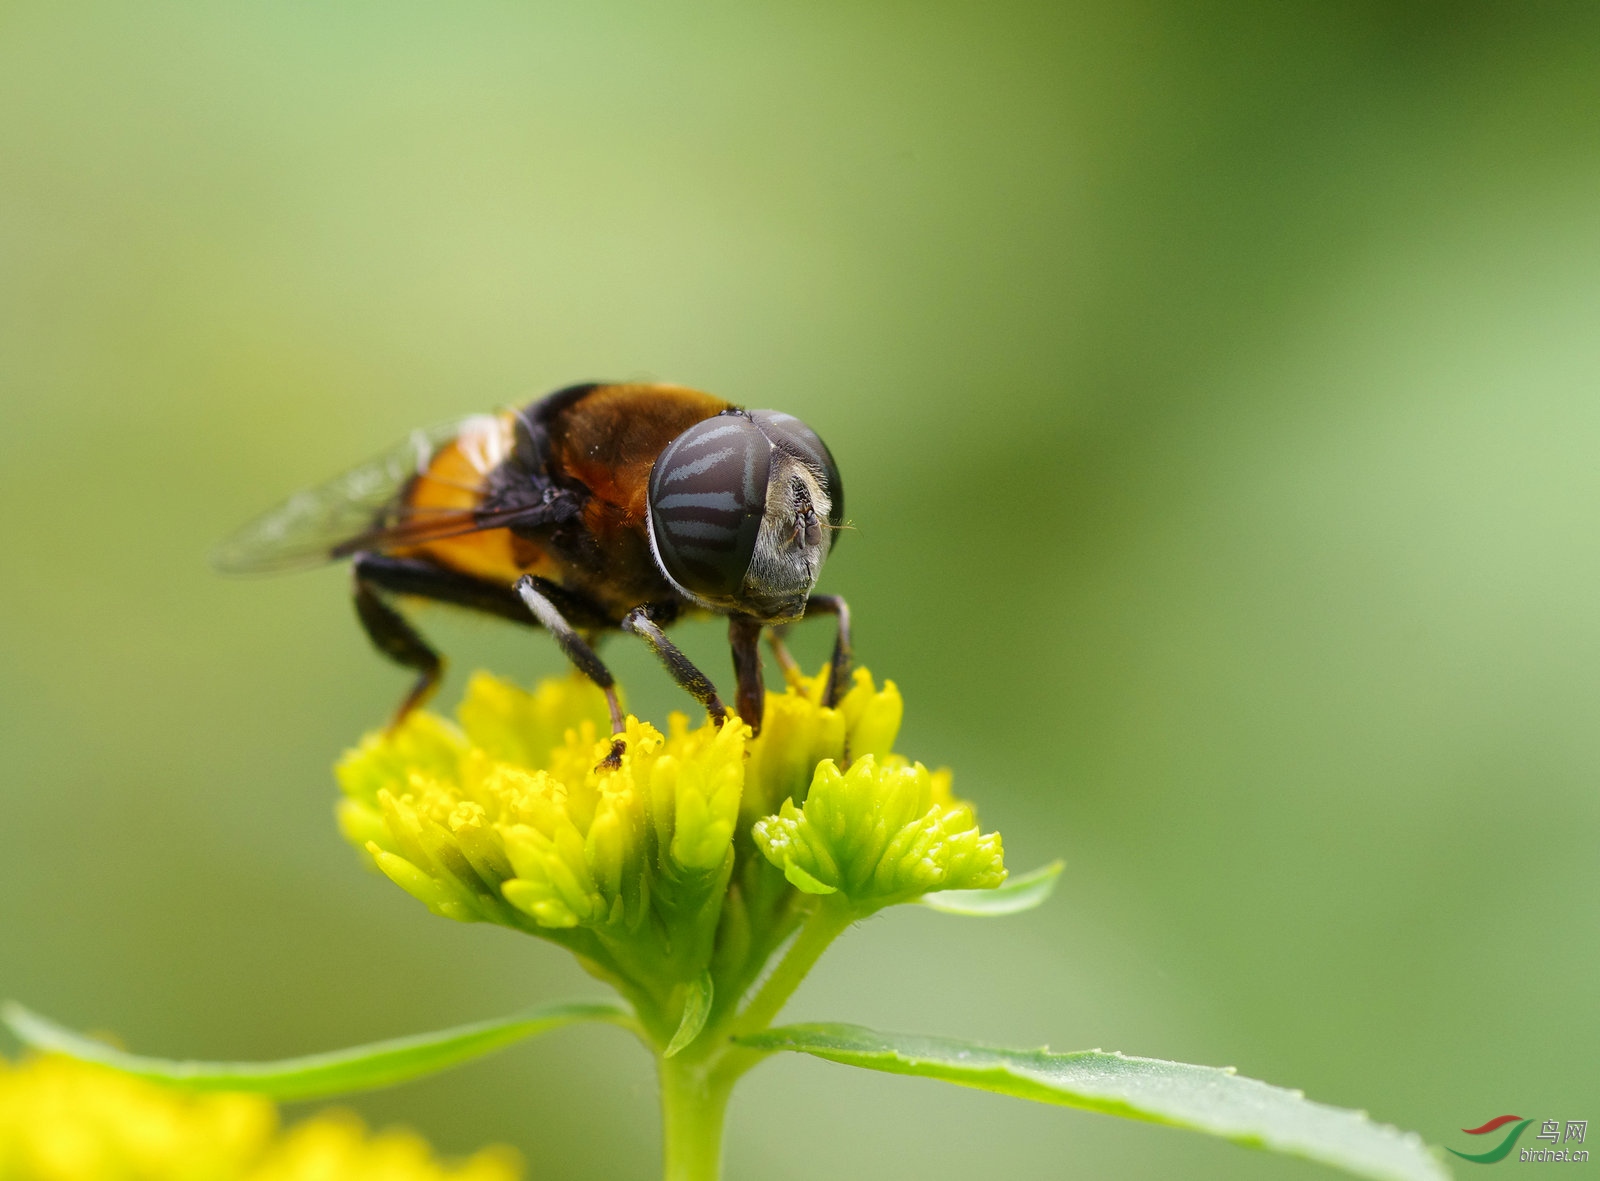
{"points": [[708, 492], [795, 438]]}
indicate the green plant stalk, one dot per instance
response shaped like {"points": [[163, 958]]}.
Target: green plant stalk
{"points": [[832, 915], [697, 1083], [694, 1099]]}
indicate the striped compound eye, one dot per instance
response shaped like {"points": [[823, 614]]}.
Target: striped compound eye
{"points": [[708, 496], [708, 492], [793, 437]]}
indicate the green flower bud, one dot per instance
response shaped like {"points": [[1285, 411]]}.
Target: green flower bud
{"points": [[879, 833]]}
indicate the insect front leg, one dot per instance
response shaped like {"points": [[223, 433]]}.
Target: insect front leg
{"points": [[532, 592], [792, 672], [839, 666], [691, 679], [744, 638]]}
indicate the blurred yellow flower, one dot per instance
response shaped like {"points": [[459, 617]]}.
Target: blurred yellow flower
{"points": [[65, 1120]]}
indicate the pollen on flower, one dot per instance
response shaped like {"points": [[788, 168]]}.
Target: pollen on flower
{"points": [[64, 1120], [511, 816]]}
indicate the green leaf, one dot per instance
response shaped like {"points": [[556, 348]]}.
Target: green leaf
{"points": [[1017, 895], [1206, 1099], [696, 1008], [315, 1076]]}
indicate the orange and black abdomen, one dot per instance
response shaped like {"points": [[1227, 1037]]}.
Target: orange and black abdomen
{"points": [[581, 460], [456, 482]]}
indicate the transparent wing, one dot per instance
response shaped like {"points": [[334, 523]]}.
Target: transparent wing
{"points": [[363, 508]]}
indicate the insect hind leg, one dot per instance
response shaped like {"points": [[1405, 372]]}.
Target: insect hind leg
{"points": [[392, 634], [396, 638]]}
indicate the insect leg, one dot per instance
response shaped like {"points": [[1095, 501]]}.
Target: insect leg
{"points": [[532, 590], [398, 640], [744, 638], [839, 667], [780, 653], [693, 681], [392, 635], [427, 580]]}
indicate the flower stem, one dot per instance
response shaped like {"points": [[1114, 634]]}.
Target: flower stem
{"points": [[825, 925], [693, 1102], [695, 1085]]}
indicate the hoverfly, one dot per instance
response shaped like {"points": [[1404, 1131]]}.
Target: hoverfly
{"points": [[597, 507]]}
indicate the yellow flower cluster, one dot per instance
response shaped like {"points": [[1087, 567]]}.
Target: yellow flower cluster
{"points": [[512, 815], [64, 1120]]}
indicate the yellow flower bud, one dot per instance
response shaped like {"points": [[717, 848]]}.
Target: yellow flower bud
{"points": [[697, 791], [799, 732], [871, 716]]}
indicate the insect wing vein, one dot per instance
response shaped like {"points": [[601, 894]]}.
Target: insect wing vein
{"points": [[333, 519]]}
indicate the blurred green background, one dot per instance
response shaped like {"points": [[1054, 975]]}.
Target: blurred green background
{"points": [[1215, 388]]}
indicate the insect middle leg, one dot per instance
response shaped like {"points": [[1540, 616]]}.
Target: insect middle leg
{"points": [[694, 682], [535, 592]]}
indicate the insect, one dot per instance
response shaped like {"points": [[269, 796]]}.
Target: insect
{"points": [[598, 507]]}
